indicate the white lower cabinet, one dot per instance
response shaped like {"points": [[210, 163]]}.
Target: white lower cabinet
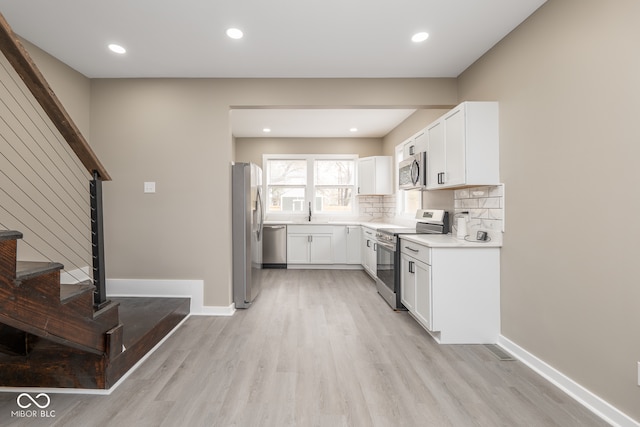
{"points": [[415, 288], [346, 244], [354, 233], [368, 252], [309, 244], [320, 249], [423, 309], [407, 283], [454, 293]]}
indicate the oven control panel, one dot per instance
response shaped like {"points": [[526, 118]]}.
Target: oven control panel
{"points": [[432, 216], [385, 237]]}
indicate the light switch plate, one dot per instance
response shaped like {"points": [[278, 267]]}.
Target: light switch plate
{"points": [[149, 187]]}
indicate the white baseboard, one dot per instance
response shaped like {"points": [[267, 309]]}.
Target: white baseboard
{"points": [[324, 267], [594, 403], [193, 289], [209, 310]]}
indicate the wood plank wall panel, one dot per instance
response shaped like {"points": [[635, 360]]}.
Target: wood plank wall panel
{"points": [[44, 188]]}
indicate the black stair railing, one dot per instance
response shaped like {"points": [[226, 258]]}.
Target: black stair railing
{"points": [[97, 243]]}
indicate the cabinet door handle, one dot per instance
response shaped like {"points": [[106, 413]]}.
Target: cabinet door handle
{"points": [[412, 267], [412, 150], [375, 247], [411, 249], [358, 190], [368, 243], [441, 178]]}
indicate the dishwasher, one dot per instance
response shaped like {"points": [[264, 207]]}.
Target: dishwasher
{"points": [[274, 246]]}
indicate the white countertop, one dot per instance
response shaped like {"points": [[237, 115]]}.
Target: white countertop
{"points": [[447, 241], [430, 240], [373, 225]]}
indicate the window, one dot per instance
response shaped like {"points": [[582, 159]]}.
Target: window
{"points": [[286, 185], [327, 182], [334, 182], [408, 201]]}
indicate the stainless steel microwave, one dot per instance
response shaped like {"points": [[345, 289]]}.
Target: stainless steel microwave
{"points": [[413, 172]]}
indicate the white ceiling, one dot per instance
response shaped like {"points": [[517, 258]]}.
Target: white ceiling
{"points": [[283, 38]]}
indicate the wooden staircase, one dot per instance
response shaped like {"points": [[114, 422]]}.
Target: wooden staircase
{"points": [[51, 336]]}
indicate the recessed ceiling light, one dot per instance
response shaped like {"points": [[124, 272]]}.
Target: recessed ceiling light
{"points": [[353, 130], [266, 130], [117, 48], [419, 37], [234, 33]]}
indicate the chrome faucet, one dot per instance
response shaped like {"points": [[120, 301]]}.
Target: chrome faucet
{"points": [[309, 211]]}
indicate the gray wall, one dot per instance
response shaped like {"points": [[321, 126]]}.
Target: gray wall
{"points": [[176, 132], [72, 88], [252, 149], [568, 83]]}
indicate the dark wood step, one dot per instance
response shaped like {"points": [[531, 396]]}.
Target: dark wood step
{"points": [[34, 306], [79, 297], [10, 235], [26, 270], [71, 291], [145, 322]]}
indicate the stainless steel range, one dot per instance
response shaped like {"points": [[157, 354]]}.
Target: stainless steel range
{"points": [[388, 255]]}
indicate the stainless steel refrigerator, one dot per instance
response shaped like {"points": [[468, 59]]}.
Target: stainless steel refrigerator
{"points": [[247, 224]]}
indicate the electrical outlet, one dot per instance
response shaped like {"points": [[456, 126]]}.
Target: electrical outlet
{"points": [[149, 187]]}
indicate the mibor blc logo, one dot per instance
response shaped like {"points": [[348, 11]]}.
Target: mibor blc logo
{"points": [[33, 407]]}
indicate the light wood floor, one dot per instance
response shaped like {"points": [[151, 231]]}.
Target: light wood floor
{"points": [[318, 348]]}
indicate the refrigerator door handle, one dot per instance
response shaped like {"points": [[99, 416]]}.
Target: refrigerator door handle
{"points": [[260, 213]]}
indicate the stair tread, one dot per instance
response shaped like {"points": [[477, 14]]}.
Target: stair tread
{"points": [[10, 235], [70, 291], [28, 269], [109, 306]]}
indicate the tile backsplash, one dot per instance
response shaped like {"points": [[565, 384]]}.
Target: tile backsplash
{"points": [[376, 207], [485, 206]]}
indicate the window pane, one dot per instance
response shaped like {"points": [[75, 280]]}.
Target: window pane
{"points": [[286, 199], [335, 172], [412, 201], [287, 172], [330, 200]]}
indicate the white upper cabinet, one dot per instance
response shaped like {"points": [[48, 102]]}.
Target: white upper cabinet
{"points": [[374, 176], [416, 144], [463, 147], [435, 152]]}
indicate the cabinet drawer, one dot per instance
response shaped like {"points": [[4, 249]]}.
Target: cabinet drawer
{"points": [[369, 232], [414, 250], [310, 229]]}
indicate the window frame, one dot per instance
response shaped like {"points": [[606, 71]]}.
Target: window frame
{"points": [[310, 186]]}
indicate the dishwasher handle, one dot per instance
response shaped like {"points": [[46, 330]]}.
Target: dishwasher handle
{"points": [[275, 227]]}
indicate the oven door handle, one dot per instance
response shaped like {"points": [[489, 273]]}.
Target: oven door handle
{"points": [[387, 246]]}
